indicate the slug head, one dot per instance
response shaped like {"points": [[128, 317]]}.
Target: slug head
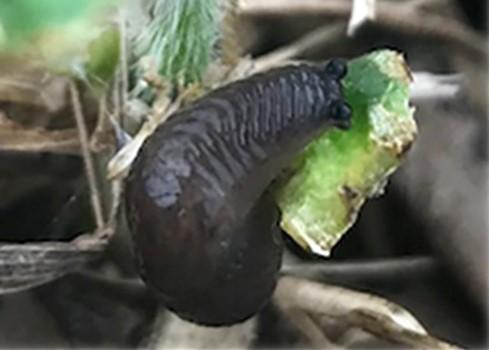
{"points": [[338, 110], [336, 69]]}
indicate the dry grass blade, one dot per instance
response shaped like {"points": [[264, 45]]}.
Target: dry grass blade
{"points": [[24, 266], [382, 326], [374, 314], [362, 11], [427, 85], [16, 138], [118, 167], [101, 136], [87, 157], [123, 62]]}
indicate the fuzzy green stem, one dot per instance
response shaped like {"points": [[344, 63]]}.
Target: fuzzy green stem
{"points": [[180, 38]]}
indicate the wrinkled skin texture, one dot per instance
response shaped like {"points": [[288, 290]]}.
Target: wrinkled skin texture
{"points": [[205, 232]]}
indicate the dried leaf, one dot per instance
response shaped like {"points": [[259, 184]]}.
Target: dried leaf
{"points": [[24, 266]]}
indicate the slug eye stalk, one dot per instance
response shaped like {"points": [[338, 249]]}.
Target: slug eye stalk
{"points": [[205, 231]]}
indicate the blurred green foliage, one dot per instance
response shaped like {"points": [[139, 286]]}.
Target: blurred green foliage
{"points": [[67, 36], [21, 19], [103, 56]]}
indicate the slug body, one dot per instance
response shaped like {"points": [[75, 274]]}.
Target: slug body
{"points": [[205, 232]]}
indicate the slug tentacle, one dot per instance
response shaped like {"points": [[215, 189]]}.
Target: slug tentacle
{"points": [[204, 230]]}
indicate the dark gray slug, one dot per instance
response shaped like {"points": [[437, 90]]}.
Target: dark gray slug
{"points": [[204, 229]]}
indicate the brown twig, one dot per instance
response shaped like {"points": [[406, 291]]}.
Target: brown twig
{"points": [[116, 96], [24, 266], [123, 63], [373, 314], [87, 156], [381, 326], [101, 136], [401, 17]]}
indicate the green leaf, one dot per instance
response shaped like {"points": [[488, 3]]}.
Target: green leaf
{"points": [[337, 172]]}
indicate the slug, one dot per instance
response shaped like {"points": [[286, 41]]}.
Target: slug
{"points": [[204, 229]]}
